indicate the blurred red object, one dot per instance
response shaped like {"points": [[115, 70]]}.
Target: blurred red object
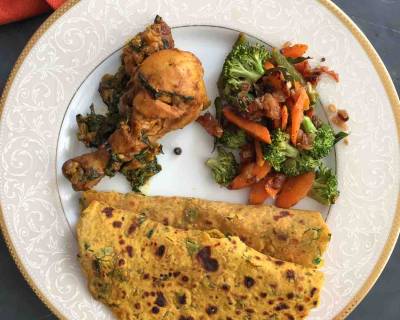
{"points": [[14, 10]]}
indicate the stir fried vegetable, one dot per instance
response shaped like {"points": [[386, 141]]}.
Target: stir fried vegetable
{"points": [[242, 68], [279, 150], [258, 194], [259, 153], [291, 74], [266, 111], [324, 188], [297, 115], [284, 117], [295, 189], [244, 65], [223, 167], [299, 165], [254, 129], [312, 93], [323, 138], [233, 138], [290, 71], [250, 174], [294, 51]]}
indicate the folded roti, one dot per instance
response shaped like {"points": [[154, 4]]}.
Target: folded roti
{"points": [[291, 235], [143, 269]]}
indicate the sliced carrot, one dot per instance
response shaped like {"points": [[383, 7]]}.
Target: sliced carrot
{"points": [[259, 154], [258, 194], [303, 67], [254, 129], [268, 65], [245, 178], [289, 103], [277, 123], [284, 117], [240, 183], [298, 89], [294, 189], [295, 51], [260, 172], [250, 174], [297, 114], [306, 104], [297, 86]]}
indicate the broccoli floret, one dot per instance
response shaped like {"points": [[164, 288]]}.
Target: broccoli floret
{"points": [[324, 189], [323, 142], [245, 63], [299, 165], [242, 68], [324, 138], [224, 167], [233, 138], [279, 150]]}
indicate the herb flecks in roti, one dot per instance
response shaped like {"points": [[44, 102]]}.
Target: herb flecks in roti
{"points": [[298, 237], [218, 277]]}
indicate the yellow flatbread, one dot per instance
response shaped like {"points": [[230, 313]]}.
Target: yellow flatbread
{"points": [[291, 235], [143, 269]]}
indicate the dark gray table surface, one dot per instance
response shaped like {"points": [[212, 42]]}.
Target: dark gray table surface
{"points": [[379, 19]]}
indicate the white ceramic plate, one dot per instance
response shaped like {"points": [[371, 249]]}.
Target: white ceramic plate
{"points": [[58, 75]]}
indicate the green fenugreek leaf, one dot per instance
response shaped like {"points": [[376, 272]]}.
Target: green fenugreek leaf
{"points": [[192, 246], [150, 233], [190, 215]]}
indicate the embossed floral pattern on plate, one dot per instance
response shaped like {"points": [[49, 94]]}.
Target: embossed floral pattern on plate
{"points": [[62, 58]]}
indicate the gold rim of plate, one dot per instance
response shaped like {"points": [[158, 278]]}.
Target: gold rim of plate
{"points": [[380, 69]]}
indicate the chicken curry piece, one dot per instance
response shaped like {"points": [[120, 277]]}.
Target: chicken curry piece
{"points": [[158, 89]]}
